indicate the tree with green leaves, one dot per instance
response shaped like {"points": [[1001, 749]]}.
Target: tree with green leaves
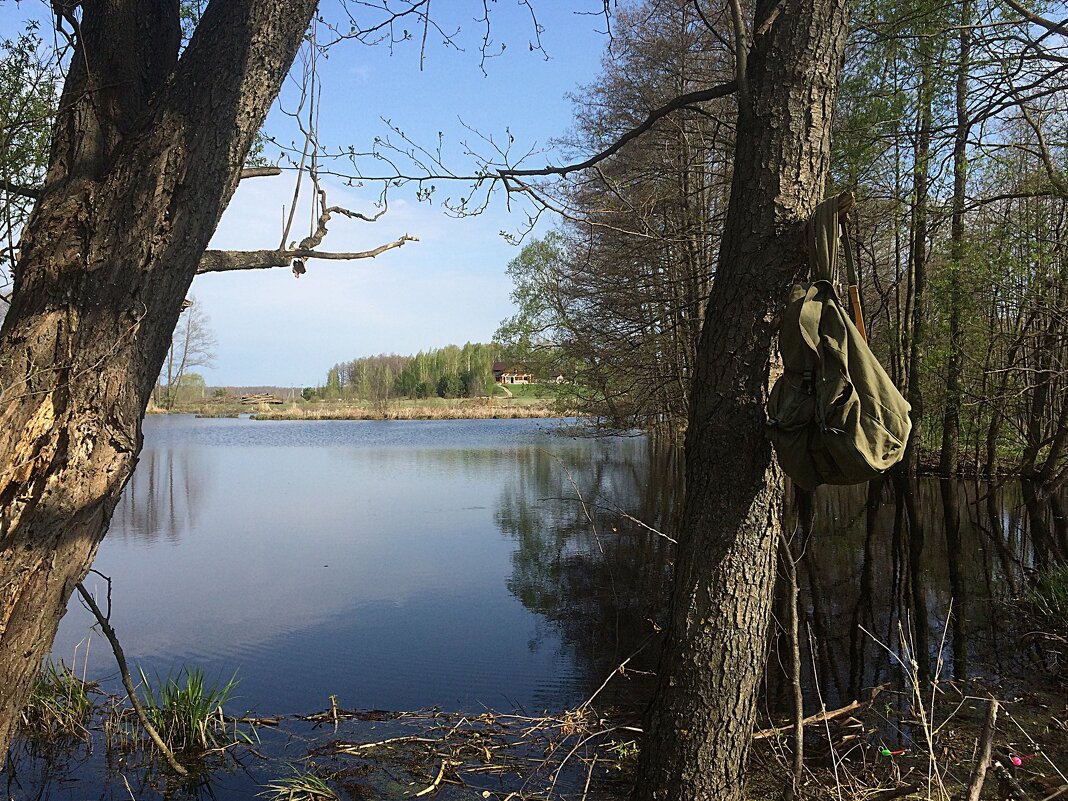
{"points": [[29, 90]]}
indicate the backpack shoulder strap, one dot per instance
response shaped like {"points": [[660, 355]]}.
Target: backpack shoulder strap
{"points": [[822, 234]]}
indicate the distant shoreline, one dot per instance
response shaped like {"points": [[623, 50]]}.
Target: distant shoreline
{"points": [[426, 409]]}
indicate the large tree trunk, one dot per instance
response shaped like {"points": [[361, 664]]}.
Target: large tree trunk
{"points": [[701, 718], [146, 152]]}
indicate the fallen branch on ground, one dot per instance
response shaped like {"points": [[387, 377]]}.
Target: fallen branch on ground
{"points": [[822, 717]]}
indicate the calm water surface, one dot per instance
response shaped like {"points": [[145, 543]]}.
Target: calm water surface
{"points": [[376, 561], [405, 565]]}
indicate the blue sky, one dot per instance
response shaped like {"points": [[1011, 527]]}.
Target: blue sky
{"points": [[450, 287]]}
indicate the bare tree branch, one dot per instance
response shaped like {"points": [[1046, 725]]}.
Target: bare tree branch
{"points": [[31, 192], [34, 192], [259, 172], [1031, 16], [700, 96], [220, 261], [127, 681]]}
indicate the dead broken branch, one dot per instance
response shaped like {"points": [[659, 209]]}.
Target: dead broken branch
{"points": [[218, 261], [127, 682], [215, 261], [822, 717]]}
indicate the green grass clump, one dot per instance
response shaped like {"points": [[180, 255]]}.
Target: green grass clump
{"points": [[301, 786], [1048, 600], [187, 711], [60, 704], [1046, 604]]}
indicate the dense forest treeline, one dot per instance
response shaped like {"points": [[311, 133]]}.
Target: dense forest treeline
{"points": [[950, 129], [450, 372]]}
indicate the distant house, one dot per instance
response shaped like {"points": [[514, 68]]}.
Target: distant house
{"points": [[512, 373]]}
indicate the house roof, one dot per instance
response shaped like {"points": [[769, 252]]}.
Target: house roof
{"points": [[510, 367]]}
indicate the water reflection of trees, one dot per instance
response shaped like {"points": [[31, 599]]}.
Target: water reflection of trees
{"points": [[876, 576], [164, 495], [599, 577], [925, 568]]}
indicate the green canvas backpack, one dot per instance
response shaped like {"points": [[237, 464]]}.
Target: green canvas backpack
{"points": [[834, 415]]}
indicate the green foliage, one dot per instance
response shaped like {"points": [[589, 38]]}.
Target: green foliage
{"points": [[534, 390], [332, 390], [1048, 598], [535, 274], [450, 386], [187, 711], [1045, 605], [29, 94], [456, 371], [625, 753], [60, 704]]}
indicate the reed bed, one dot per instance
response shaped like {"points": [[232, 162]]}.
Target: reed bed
{"points": [[61, 704], [463, 410]]}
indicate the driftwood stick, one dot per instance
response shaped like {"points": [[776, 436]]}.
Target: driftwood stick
{"points": [[127, 682], [434, 784], [352, 748], [821, 717], [986, 744]]}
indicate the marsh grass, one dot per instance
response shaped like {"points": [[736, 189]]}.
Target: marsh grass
{"points": [[61, 704], [187, 711], [1048, 599], [1045, 605], [430, 409], [301, 786]]}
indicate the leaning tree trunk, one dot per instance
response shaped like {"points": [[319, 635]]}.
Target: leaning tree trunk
{"points": [[702, 715], [146, 152]]}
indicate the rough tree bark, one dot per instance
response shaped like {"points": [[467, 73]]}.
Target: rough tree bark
{"points": [[700, 721], [147, 150]]}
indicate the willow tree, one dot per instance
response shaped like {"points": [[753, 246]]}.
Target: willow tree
{"points": [[147, 149]]}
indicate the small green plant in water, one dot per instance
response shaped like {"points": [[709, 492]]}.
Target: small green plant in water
{"points": [[1046, 604], [301, 786], [1048, 599], [625, 753], [60, 704], [187, 711]]}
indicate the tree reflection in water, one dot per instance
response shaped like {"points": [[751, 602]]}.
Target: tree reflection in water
{"points": [[871, 572], [164, 495], [599, 577]]}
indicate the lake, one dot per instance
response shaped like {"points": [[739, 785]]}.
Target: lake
{"points": [[386, 563], [500, 565]]}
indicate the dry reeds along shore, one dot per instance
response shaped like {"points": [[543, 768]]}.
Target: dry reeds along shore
{"points": [[469, 409]]}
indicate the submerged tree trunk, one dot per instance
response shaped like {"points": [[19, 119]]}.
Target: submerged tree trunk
{"points": [[702, 715], [146, 152]]}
